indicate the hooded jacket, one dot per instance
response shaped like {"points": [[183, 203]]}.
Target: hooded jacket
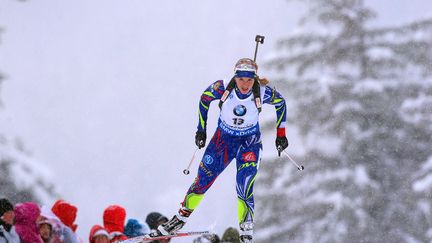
{"points": [[114, 219], [26, 215], [7, 231], [48, 217], [97, 230], [8, 236], [66, 212]]}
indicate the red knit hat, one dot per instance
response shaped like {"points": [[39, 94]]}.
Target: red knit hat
{"points": [[114, 218], [97, 230], [66, 212]]}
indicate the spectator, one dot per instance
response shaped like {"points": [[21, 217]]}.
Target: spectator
{"points": [[207, 238], [26, 215], [114, 219], [46, 218], [135, 228], [155, 219], [7, 217], [231, 235], [98, 234], [67, 214], [45, 230]]}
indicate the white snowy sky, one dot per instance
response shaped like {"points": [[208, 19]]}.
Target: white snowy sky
{"points": [[105, 92]]}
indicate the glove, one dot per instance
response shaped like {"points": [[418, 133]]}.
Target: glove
{"points": [[200, 139], [281, 144]]}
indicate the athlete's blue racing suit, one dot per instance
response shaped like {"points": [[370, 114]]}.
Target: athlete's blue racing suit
{"points": [[237, 136]]}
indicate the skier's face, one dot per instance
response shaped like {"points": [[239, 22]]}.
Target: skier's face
{"points": [[244, 84]]}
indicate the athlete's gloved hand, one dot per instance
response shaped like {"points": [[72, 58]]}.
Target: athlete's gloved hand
{"points": [[200, 139], [281, 144]]}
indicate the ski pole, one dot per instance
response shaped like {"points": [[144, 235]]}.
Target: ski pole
{"points": [[299, 167], [186, 171], [258, 39]]}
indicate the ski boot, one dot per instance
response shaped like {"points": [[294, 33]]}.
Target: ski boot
{"points": [[246, 231], [246, 239], [176, 223], [168, 228]]}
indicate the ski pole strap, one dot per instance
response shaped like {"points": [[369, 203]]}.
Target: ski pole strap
{"points": [[256, 90]]}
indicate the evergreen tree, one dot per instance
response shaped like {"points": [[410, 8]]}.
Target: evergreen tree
{"points": [[9, 188], [1, 75], [21, 177], [348, 86]]}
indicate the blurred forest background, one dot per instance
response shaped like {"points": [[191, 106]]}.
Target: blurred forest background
{"points": [[361, 99]]}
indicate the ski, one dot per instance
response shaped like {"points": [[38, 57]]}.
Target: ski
{"points": [[147, 238]]}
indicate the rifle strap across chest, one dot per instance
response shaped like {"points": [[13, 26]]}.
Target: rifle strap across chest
{"points": [[256, 90]]}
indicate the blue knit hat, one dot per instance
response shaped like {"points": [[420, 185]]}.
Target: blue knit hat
{"points": [[135, 228]]}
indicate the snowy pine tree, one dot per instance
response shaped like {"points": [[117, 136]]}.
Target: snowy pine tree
{"points": [[418, 112], [352, 91], [21, 177]]}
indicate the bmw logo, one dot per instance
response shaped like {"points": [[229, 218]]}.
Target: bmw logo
{"points": [[208, 159], [239, 110]]}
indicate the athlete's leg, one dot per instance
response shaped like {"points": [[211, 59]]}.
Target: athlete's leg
{"points": [[218, 154], [248, 159]]}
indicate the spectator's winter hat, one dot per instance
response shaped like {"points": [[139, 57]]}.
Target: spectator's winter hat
{"points": [[5, 206], [207, 238], [231, 235], [114, 218], [44, 221], [135, 228], [47, 216], [245, 67], [66, 212], [97, 230], [26, 215], [154, 219]]}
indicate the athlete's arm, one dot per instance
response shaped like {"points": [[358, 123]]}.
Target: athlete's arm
{"points": [[213, 92], [273, 97]]}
